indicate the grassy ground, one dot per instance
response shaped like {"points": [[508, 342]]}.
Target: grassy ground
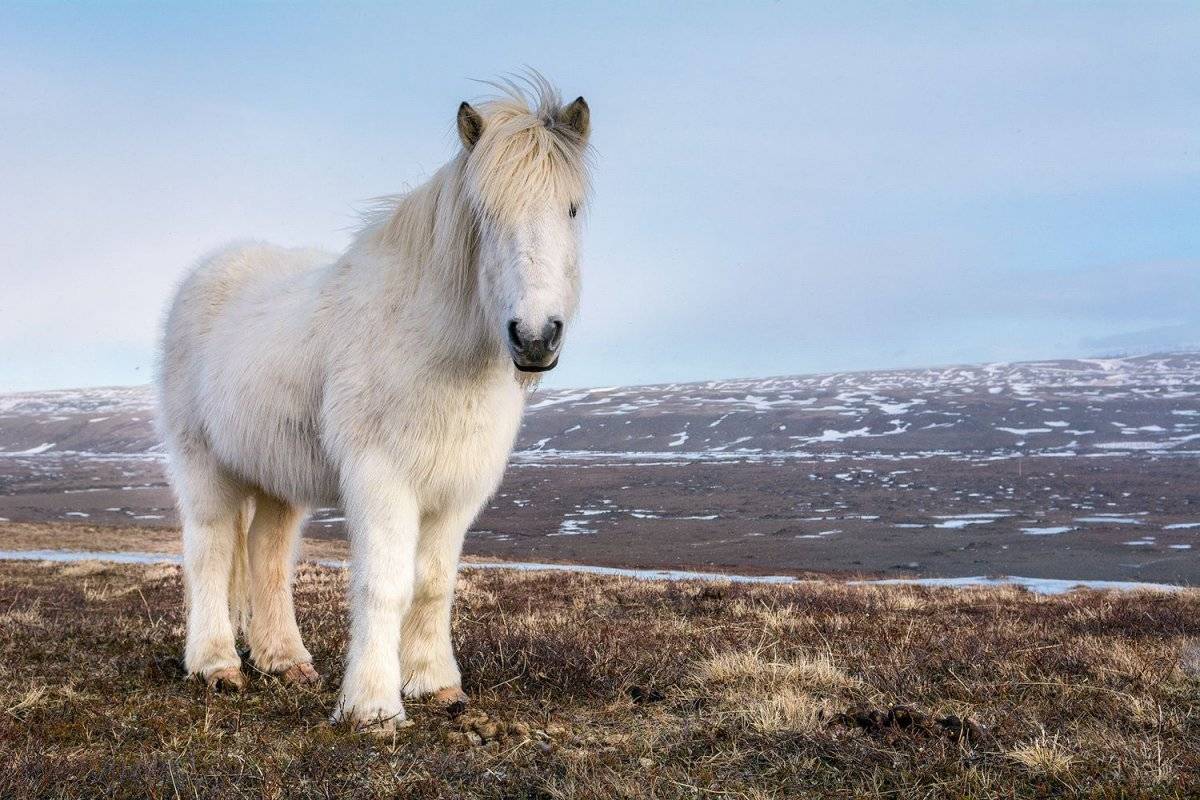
{"points": [[601, 687]]}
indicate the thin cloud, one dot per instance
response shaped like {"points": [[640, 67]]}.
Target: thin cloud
{"points": [[779, 188]]}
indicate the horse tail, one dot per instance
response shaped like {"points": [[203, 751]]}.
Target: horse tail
{"points": [[239, 574]]}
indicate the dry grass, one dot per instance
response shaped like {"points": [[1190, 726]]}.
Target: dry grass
{"points": [[599, 687], [62, 535], [1045, 755], [758, 673], [785, 709]]}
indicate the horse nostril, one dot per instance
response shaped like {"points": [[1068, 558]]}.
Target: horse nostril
{"points": [[535, 351], [552, 333]]}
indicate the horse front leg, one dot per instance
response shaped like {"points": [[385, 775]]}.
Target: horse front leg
{"points": [[384, 522], [427, 653]]}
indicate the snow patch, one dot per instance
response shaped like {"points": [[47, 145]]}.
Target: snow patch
{"points": [[1051, 531]]}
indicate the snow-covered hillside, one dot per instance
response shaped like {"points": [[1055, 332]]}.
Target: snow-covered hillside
{"points": [[1091, 407]]}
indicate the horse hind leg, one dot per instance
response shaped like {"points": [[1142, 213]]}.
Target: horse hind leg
{"points": [[275, 643], [212, 506]]}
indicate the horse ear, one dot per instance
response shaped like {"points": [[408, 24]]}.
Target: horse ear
{"points": [[470, 125], [577, 116]]}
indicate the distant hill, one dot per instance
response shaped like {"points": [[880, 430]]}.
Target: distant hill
{"points": [[1085, 407], [1063, 469]]}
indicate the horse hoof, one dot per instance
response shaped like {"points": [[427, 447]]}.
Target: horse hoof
{"points": [[300, 675], [229, 679], [453, 700]]}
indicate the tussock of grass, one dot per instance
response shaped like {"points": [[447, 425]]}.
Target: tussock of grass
{"points": [[751, 667], [28, 617], [81, 569], [595, 687], [787, 709], [770, 695], [1045, 755], [32, 698]]}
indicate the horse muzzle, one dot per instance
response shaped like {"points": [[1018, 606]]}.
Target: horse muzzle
{"points": [[535, 352]]}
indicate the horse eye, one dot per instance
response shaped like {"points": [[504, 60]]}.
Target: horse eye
{"points": [[574, 210]]}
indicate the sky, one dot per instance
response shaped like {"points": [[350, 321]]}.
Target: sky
{"points": [[780, 187]]}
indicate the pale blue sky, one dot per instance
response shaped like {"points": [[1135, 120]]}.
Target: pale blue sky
{"points": [[780, 187]]}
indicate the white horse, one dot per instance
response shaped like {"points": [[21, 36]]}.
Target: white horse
{"points": [[389, 381]]}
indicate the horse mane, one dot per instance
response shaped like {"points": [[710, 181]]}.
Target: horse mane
{"points": [[526, 152], [525, 155]]}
